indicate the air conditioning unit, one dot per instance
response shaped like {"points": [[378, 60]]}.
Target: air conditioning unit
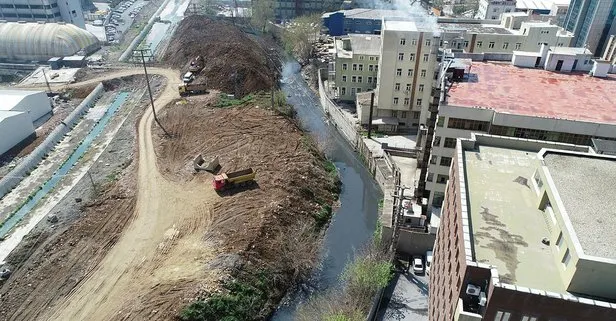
{"points": [[482, 299], [473, 290]]}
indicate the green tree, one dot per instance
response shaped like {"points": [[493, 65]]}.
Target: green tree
{"points": [[300, 34], [262, 12]]}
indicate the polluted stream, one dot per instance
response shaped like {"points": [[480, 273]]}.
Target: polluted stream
{"points": [[354, 222]]}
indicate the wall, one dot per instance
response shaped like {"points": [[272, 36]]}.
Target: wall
{"points": [[8, 182], [36, 105], [128, 53], [14, 129], [415, 242], [522, 60], [594, 277], [342, 124]]}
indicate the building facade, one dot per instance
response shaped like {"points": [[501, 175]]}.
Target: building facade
{"points": [[356, 65], [68, 11], [504, 100], [366, 21], [493, 9], [514, 243], [289, 9], [592, 22]]}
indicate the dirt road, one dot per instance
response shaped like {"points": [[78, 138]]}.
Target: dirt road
{"points": [[161, 247]]}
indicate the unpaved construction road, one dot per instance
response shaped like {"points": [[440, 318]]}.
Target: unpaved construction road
{"points": [[162, 244]]}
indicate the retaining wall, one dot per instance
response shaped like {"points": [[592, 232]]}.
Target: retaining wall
{"points": [[342, 123], [31, 161], [128, 53]]}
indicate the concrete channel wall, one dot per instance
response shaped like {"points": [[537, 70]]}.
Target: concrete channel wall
{"points": [[15, 176], [128, 53], [342, 123]]}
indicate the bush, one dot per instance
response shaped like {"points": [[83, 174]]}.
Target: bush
{"points": [[323, 216]]}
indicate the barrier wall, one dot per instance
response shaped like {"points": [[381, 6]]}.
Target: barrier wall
{"points": [[342, 123], [13, 178], [128, 53]]}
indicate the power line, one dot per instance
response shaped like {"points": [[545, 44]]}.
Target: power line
{"points": [[147, 80]]}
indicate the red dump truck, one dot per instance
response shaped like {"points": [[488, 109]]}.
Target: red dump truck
{"points": [[226, 181]]}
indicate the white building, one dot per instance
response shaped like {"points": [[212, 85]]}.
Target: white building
{"points": [[501, 99], [68, 11], [356, 64], [563, 59], [15, 126], [34, 103], [492, 9]]}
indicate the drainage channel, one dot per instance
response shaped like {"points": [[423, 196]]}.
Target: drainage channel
{"points": [[48, 186]]}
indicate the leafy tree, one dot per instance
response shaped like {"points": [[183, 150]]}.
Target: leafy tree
{"points": [[300, 34], [262, 12]]}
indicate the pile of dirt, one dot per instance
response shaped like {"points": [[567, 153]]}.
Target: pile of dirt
{"points": [[275, 225], [234, 63]]}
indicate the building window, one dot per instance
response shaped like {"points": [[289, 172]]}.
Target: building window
{"points": [[352, 91], [361, 57], [412, 57], [344, 66], [505, 45], [465, 43], [518, 45], [440, 122], [369, 80], [468, 124], [437, 141], [566, 258], [428, 42], [397, 86], [479, 44], [527, 318], [420, 88], [491, 44], [414, 42], [371, 67], [502, 316], [343, 91], [441, 179], [445, 161], [407, 101], [354, 66], [398, 72], [426, 57], [343, 78], [430, 177], [415, 115], [409, 72], [408, 87], [559, 240], [402, 41], [358, 90], [400, 56], [437, 201], [419, 102], [403, 115], [376, 67], [360, 79], [395, 100], [433, 159], [371, 58], [361, 67], [353, 78], [394, 113], [423, 73], [450, 142]]}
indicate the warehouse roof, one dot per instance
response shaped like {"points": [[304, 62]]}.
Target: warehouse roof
{"points": [[41, 41], [10, 98], [5, 114], [536, 92]]}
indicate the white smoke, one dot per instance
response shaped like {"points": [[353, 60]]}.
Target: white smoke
{"points": [[413, 12]]}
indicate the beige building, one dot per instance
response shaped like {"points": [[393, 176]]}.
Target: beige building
{"points": [[527, 233], [493, 9], [502, 99], [356, 65]]}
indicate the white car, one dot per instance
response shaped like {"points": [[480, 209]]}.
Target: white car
{"points": [[428, 261], [418, 267]]}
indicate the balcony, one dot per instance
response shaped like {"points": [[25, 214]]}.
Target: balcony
{"points": [[461, 315]]}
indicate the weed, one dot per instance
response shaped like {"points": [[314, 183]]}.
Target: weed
{"points": [[225, 101], [323, 216]]}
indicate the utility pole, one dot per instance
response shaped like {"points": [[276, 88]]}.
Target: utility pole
{"points": [[147, 80], [370, 114], [45, 77]]}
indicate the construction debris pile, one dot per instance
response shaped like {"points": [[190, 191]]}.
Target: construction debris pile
{"points": [[233, 62]]}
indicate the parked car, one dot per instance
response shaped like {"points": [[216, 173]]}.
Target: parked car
{"points": [[428, 261], [188, 77], [418, 267]]}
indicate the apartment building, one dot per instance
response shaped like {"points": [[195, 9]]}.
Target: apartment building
{"points": [[525, 234], [68, 11], [406, 71], [356, 65], [493, 9], [289, 9], [592, 22], [501, 99]]}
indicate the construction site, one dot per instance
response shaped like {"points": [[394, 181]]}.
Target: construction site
{"points": [[142, 210]]}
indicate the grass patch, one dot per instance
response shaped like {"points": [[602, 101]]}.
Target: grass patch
{"points": [[323, 216], [226, 101], [243, 300]]}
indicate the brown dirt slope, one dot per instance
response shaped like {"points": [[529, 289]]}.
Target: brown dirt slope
{"points": [[271, 226], [231, 57]]}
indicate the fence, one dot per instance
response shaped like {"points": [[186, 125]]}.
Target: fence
{"points": [[15, 176]]}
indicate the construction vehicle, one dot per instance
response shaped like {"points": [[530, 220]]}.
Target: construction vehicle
{"points": [[196, 65], [192, 89], [226, 181]]}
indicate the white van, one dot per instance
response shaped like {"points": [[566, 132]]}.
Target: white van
{"points": [[428, 261], [188, 77]]}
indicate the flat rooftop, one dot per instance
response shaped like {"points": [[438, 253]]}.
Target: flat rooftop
{"points": [[411, 23], [536, 92], [366, 45], [586, 187], [506, 225], [474, 28]]}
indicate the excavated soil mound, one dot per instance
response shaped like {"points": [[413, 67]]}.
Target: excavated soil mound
{"points": [[234, 63]]}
